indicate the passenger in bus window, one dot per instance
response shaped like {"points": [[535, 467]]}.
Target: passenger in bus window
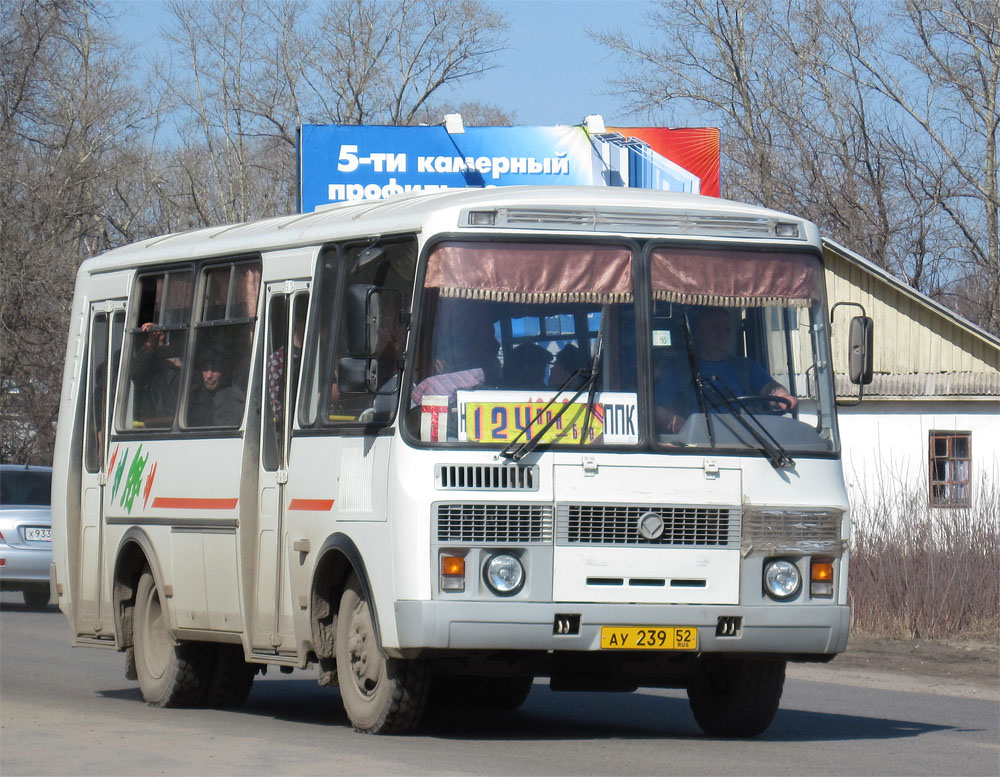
{"points": [[276, 366], [465, 351], [213, 400], [732, 375], [156, 374], [526, 366], [568, 360]]}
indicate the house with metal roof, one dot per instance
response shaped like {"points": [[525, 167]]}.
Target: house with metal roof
{"points": [[930, 419]]}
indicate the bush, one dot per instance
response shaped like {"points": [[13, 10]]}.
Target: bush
{"points": [[921, 572]]}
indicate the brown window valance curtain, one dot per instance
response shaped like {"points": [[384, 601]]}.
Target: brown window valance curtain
{"points": [[698, 276], [530, 272]]}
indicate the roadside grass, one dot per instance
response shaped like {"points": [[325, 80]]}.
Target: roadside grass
{"points": [[926, 573]]}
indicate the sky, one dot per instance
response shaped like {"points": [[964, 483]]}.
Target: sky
{"points": [[552, 72]]}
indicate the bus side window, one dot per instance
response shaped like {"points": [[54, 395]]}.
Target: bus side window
{"points": [[156, 346], [393, 268], [282, 364], [102, 384], [97, 357], [222, 347]]}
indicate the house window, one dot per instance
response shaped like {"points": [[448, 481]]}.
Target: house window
{"points": [[950, 465]]}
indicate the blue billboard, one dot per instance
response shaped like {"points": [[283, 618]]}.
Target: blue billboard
{"points": [[349, 163]]}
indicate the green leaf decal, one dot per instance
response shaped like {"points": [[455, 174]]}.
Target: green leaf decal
{"points": [[133, 484], [118, 474]]}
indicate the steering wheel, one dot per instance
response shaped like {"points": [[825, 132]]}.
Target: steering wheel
{"points": [[769, 404]]}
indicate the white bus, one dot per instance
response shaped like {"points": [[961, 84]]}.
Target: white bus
{"points": [[444, 444]]}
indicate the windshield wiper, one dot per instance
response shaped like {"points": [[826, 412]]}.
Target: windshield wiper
{"points": [[516, 451], [769, 446], [593, 385], [699, 384]]}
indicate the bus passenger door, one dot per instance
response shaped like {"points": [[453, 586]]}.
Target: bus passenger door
{"points": [[272, 629], [107, 325]]}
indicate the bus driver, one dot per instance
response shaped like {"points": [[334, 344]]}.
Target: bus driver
{"points": [[719, 368]]}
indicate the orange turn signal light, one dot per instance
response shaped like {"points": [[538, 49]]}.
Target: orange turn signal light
{"points": [[821, 578], [453, 566], [821, 571]]}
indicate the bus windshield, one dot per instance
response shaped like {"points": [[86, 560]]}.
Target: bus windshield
{"points": [[540, 344], [740, 352]]}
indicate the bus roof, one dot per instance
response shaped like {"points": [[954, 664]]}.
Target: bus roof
{"points": [[590, 210]]}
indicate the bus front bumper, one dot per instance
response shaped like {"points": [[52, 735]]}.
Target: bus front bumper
{"points": [[792, 631]]}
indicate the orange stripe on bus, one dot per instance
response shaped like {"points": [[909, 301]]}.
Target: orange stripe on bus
{"points": [[185, 503], [311, 504]]}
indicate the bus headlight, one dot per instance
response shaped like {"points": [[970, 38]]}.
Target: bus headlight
{"points": [[504, 574], [782, 579]]}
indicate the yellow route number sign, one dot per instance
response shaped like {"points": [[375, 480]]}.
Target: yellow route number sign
{"points": [[500, 417]]}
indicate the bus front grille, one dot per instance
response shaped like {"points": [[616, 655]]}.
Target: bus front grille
{"points": [[499, 523], [656, 525]]}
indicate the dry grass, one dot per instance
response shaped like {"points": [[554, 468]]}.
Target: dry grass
{"points": [[921, 572]]}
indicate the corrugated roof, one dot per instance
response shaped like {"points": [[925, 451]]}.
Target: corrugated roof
{"points": [[922, 348], [923, 299], [940, 384]]}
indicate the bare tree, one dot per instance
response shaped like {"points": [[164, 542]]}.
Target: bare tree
{"points": [[380, 63], [245, 75], [232, 162], [943, 75], [717, 61], [68, 112], [879, 126], [474, 114]]}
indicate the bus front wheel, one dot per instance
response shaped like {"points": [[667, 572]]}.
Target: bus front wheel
{"points": [[381, 695], [736, 698], [170, 675]]}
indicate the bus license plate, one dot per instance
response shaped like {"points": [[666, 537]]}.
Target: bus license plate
{"points": [[38, 534], [649, 638]]}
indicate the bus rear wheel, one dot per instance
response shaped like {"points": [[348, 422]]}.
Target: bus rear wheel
{"points": [[381, 695], [170, 675], [36, 597], [736, 698]]}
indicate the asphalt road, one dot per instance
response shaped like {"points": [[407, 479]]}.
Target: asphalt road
{"points": [[71, 711]]}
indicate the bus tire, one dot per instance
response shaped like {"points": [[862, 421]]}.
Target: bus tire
{"points": [[36, 597], [230, 678], [736, 698], [380, 695], [169, 675], [476, 692]]}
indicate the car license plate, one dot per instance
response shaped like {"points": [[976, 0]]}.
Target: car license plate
{"points": [[38, 534], [649, 638]]}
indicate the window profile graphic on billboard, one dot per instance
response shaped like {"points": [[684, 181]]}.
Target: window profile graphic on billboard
{"points": [[349, 163]]}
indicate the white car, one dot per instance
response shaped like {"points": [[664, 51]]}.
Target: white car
{"points": [[26, 531]]}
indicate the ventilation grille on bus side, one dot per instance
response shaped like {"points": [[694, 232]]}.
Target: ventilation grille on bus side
{"points": [[486, 477], [717, 527], [646, 221], [506, 523]]}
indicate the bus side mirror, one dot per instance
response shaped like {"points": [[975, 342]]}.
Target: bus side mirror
{"points": [[860, 351], [362, 319], [372, 316]]}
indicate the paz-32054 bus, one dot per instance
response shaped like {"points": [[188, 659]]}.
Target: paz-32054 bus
{"points": [[444, 444]]}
